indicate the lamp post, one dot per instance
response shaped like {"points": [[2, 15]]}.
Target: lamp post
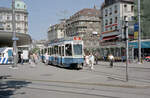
{"points": [[14, 35], [139, 35]]}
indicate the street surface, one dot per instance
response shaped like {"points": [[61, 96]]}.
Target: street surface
{"points": [[49, 81]]}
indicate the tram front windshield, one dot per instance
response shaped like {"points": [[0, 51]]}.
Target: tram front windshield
{"points": [[77, 49]]}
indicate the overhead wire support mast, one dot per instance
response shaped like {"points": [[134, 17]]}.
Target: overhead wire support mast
{"points": [[14, 35], [139, 34]]}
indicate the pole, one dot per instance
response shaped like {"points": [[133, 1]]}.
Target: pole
{"points": [[139, 35], [127, 47], [14, 35], [127, 52]]}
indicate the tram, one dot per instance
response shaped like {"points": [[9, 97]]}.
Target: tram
{"points": [[64, 53], [6, 55]]}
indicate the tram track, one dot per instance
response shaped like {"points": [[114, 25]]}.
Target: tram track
{"points": [[86, 83], [80, 90]]}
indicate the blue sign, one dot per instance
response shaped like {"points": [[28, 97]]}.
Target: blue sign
{"points": [[15, 38], [136, 27]]}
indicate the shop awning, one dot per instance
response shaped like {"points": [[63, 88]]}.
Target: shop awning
{"points": [[144, 44], [109, 38]]}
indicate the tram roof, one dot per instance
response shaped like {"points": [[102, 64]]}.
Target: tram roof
{"points": [[63, 40]]}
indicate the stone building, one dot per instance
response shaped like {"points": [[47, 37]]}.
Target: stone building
{"points": [[114, 14], [21, 20], [86, 23], [56, 31]]}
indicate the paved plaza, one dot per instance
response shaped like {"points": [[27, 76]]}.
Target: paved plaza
{"points": [[55, 82]]}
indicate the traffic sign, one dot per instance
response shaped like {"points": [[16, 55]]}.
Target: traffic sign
{"points": [[136, 27]]}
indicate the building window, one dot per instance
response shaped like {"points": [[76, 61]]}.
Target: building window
{"points": [[18, 17], [1, 17], [132, 8], [125, 8], [1, 25], [8, 17], [116, 8], [18, 5], [110, 28], [25, 18], [106, 22], [125, 18], [116, 19], [110, 21], [116, 27], [106, 12], [110, 11]]}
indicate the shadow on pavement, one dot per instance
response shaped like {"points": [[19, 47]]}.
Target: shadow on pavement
{"points": [[8, 87]]}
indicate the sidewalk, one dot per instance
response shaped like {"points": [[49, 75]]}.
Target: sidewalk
{"points": [[145, 65]]}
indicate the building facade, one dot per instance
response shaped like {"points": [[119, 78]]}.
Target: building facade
{"points": [[86, 23], [114, 14], [56, 31], [21, 20]]}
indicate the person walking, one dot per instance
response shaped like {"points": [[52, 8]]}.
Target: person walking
{"points": [[35, 58], [111, 59], [87, 60], [91, 59], [96, 58], [22, 60], [46, 59]]}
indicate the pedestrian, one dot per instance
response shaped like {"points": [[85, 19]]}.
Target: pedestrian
{"points": [[32, 60], [86, 60], [22, 60], [96, 58], [111, 59], [35, 58], [91, 61], [46, 59]]}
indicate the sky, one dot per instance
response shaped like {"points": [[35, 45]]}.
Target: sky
{"points": [[43, 13]]}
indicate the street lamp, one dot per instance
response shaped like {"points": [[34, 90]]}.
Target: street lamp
{"points": [[14, 35]]}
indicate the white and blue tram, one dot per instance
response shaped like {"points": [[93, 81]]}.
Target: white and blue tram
{"points": [[6, 55], [65, 53]]}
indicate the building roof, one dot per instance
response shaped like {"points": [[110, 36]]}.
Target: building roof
{"points": [[4, 9], [88, 12], [110, 2]]}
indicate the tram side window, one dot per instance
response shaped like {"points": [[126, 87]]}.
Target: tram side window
{"points": [[60, 50], [50, 51], [45, 50], [68, 50], [62, 53]]}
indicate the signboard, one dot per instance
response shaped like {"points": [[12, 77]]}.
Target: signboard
{"points": [[135, 35], [15, 38]]}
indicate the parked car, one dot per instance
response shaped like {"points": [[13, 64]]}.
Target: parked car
{"points": [[147, 58]]}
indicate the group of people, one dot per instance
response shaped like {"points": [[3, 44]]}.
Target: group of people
{"points": [[89, 60], [32, 59]]}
